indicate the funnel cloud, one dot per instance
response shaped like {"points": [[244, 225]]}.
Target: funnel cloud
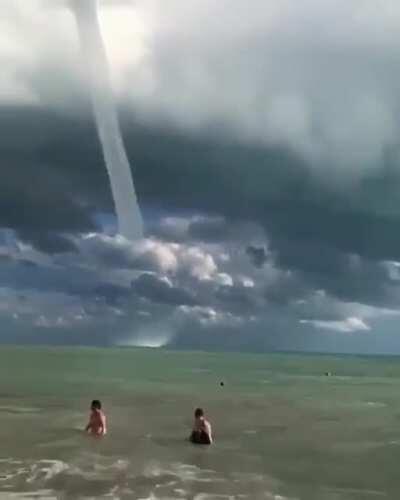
{"points": [[117, 163]]}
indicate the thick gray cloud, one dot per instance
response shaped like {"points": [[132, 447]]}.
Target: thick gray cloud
{"points": [[161, 290], [318, 79], [257, 255], [194, 296]]}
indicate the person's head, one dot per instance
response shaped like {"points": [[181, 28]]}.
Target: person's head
{"points": [[199, 413], [96, 405]]}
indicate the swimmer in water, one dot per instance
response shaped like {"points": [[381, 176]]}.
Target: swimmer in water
{"points": [[201, 433], [97, 420]]}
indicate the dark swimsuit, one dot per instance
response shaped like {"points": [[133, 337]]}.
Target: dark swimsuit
{"points": [[200, 437]]}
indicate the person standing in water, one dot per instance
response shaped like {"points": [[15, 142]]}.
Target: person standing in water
{"points": [[97, 420], [201, 433]]}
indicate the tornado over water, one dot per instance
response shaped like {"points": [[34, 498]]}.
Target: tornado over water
{"points": [[94, 56]]}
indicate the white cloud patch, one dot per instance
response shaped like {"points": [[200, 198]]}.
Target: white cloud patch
{"points": [[246, 281], [209, 316], [348, 325], [174, 228], [224, 279], [151, 254], [393, 270]]}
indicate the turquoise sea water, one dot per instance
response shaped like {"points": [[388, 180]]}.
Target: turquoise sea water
{"points": [[283, 429]]}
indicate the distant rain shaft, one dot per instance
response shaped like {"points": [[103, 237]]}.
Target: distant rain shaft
{"points": [[94, 55]]}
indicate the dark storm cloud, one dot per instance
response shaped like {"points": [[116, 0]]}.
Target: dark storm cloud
{"points": [[278, 189], [316, 78], [275, 330], [274, 153], [311, 227], [37, 198], [162, 291], [238, 298], [210, 229], [346, 275], [82, 281], [48, 242], [290, 286], [257, 255]]}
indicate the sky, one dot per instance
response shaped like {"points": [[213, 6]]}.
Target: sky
{"points": [[264, 146]]}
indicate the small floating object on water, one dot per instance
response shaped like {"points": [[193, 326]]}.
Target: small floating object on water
{"points": [[328, 374], [222, 383]]}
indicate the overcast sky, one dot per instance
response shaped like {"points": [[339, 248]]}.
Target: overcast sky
{"points": [[264, 143]]}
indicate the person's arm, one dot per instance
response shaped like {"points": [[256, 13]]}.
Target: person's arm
{"points": [[207, 428], [88, 427], [103, 424]]}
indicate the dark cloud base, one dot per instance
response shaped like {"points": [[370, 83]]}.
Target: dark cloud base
{"points": [[316, 235]]}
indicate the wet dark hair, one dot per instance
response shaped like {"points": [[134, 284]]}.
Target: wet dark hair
{"points": [[96, 404], [199, 413]]}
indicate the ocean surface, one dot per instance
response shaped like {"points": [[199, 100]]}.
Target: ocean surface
{"points": [[283, 429]]}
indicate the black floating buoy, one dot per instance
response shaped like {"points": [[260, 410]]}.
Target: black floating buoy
{"points": [[221, 384]]}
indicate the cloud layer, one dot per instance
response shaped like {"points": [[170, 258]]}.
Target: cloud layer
{"points": [[319, 78], [264, 145]]}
